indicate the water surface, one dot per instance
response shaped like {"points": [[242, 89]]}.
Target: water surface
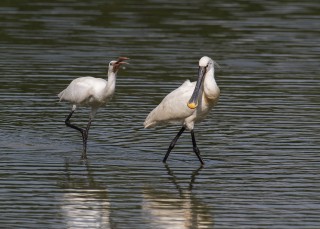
{"points": [[260, 143]]}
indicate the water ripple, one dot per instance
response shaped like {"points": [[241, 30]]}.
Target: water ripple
{"points": [[260, 143]]}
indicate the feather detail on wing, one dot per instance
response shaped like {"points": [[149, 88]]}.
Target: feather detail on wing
{"points": [[173, 108], [80, 90]]}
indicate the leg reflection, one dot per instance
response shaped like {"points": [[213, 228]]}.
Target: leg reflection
{"points": [[177, 207]]}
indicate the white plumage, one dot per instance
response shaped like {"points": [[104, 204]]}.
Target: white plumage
{"points": [[188, 104], [173, 108], [90, 92]]}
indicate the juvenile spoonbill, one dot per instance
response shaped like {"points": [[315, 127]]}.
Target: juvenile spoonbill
{"points": [[188, 104], [90, 92]]}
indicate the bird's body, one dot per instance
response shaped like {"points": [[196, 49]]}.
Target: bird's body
{"points": [[173, 108], [90, 92], [188, 104]]}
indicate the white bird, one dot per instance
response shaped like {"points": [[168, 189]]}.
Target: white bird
{"points": [[90, 92], [188, 104]]}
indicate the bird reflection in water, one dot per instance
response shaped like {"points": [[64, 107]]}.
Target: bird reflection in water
{"points": [[84, 201], [180, 209]]}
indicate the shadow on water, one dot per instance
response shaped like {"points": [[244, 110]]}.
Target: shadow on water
{"points": [[176, 209]]}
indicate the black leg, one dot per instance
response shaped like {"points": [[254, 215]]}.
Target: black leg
{"points": [[173, 143], [84, 142], [195, 148], [84, 133], [67, 122]]}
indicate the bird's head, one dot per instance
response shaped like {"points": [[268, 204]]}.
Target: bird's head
{"points": [[205, 65], [114, 65]]}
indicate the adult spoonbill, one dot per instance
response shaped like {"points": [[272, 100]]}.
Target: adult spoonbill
{"points": [[188, 104], [90, 92]]}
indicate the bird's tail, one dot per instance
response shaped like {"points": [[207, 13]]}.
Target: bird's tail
{"points": [[149, 122], [60, 95]]}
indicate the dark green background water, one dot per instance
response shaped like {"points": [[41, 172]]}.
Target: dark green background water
{"points": [[260, 144]]}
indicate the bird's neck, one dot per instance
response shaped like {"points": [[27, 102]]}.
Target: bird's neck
{"points": [[111, 83], [211, 88]]}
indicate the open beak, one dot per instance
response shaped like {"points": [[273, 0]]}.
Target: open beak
{"points": [[120, 61], [193, 102]]}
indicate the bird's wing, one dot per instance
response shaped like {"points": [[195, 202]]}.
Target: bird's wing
{"points": [[81, 89], [173, 108]]}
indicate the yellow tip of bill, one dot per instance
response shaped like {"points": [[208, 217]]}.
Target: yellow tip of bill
{"points": [[192, 105]]}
